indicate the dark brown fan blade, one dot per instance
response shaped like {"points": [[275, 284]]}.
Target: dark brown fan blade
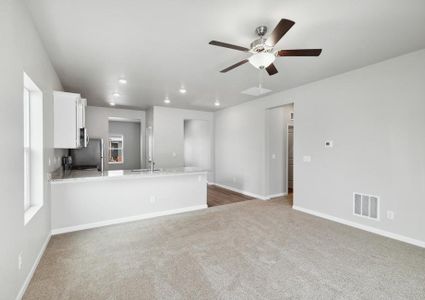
{"points": [[280, 30], [226, 45], [300, 52], [234, 66], [271, 69]]}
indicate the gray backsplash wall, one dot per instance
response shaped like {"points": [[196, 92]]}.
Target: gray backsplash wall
{"points": [[97, 122], [131, 134]]}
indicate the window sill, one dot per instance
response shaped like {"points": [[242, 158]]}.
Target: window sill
{"points": [[30, 213]]}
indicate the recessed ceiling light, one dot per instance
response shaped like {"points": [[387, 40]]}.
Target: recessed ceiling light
{"points": [[216, 102], [167, 100], [122, 81], [112, 103], [182, 90], [116, 94]]}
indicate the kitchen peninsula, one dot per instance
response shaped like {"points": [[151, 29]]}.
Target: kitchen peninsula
{"points": [[89, 199]]}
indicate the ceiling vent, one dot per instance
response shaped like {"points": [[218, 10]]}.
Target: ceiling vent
{"points": [[366, 206], [256, 91]]}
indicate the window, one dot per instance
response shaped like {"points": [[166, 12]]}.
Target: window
{"points": [[116, 149], [33, 149], [27, 150]]}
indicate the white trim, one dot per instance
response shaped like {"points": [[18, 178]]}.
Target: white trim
{"points": [[371, 229], [33, 268], [241, 191], [31, 212], [127, 219], [277, 195]]}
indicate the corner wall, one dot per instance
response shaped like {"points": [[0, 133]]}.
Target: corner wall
{"points": [[168, 131], [374, 115], [21, 51]]}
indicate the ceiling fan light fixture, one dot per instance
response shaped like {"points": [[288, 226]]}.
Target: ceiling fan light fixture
{"points": [[262, 60]]}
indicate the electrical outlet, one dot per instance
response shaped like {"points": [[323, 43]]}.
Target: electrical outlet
{"points": [[20, 260], [152, 199], [273, 156], [174, 154], [390, 215], [307, 158]]}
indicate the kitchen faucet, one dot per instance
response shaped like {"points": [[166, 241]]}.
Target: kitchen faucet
{"points": [[152, 165]]}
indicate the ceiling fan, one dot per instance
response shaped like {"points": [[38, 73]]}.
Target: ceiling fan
{"points": [[263, 54]]}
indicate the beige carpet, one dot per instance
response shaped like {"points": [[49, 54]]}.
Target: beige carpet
{"points": [[248, 250]]}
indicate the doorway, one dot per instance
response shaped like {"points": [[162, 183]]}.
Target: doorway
{"points": [[280, 152], [290, 159], [197, 144], [124, 148]]}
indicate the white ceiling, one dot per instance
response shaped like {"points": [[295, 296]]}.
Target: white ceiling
{"points": [[159, 45]]}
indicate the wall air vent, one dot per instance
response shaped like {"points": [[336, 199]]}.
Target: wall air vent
{"points": [[366, 206]]}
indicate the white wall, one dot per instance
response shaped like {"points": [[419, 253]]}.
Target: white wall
{"points": [[374, 115], [97, 123], [168, 132], [125, 198], [21, 50], [278, 119], [197, 144]]}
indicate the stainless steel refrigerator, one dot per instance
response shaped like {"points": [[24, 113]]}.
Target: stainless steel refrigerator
{"points": [[90, 157]]}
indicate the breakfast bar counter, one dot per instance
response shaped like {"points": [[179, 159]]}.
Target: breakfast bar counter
{"points": [[61, 176], [88, 199]]}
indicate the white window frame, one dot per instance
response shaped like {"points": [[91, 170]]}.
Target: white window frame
{"points": [[33, 149], [113, 138], [27, 150]]}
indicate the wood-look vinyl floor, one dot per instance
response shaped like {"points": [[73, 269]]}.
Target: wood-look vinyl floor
{"points": [[220, 196]]}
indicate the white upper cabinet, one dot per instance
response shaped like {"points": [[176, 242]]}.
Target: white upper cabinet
{"points": [[69, 120]]}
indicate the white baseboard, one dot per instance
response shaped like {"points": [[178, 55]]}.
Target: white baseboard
{"points": [[127, 219], [241, 191], [33, 268], [363, 227], [277, 195]]}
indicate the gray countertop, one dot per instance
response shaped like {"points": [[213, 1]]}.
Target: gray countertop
{"points": [[61, 176]]}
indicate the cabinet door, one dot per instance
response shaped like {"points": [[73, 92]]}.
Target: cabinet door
{"points": [[66, 131], [81, 113]]}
